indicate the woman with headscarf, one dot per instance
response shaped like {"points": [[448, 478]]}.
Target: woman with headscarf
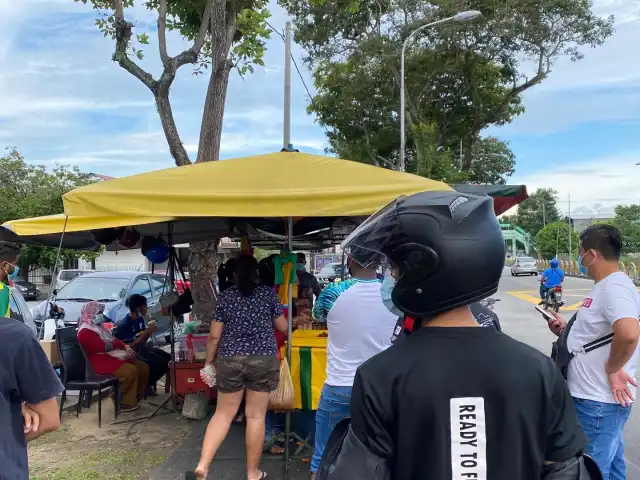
{"points": [[109, 356]]}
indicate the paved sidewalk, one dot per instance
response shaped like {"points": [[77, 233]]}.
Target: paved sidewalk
{"points": [[229, 463]]}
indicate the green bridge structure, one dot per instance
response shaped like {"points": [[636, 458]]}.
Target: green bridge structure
{"points": [[515, 239]]}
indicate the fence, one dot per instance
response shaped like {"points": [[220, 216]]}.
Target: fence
{"points": [[40, 276]]}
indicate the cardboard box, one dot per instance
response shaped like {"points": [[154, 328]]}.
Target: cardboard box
{"points": [[50, 348]]}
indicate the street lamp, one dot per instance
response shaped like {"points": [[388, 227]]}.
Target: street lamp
{"points": [[458, 17]]}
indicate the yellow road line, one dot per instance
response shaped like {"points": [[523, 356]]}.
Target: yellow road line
{"points": [[523, 295]]}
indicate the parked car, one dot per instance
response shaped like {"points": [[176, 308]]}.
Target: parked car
{"points": [[524, 266], [329, 273], [65, 276], [20, 311], [28, 290], [112, 289]]}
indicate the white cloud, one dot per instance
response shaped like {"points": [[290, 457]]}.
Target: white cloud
{"points": [[592, 185]]}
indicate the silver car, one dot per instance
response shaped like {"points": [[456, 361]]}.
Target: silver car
{"points": [[20, 311], [524, 266]]}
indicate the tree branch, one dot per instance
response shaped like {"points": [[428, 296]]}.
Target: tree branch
{"points": [[191, 55], [162, 31]]}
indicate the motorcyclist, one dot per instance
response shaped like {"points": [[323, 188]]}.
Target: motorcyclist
{"points": [[552, 277], [452, 401]]}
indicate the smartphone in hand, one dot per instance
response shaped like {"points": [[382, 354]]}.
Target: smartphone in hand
{"points": [[546, 315]]}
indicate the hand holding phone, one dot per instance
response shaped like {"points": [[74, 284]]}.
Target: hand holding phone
{"points": [[547, 315]]}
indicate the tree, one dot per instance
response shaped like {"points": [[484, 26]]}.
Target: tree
{"points": [[553, 240], [31, 191], [537, 210], [225, 35], [627, 220], [461, 78]]}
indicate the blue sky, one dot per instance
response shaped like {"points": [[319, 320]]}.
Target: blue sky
{"points": [[62, 100]]}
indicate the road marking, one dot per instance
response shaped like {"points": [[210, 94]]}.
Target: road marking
{"points": [[527, 296]]}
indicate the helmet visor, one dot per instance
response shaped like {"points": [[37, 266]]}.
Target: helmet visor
{"points": [[368, 242]]}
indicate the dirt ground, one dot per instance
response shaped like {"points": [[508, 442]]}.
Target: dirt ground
{"points": [[82, 451]]}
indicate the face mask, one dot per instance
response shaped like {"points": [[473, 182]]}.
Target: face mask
{"points": [[584, 269], [387, 287], [99, 319], [15, 273], [301, 267]]}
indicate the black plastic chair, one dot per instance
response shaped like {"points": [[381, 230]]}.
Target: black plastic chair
{"points": [[77, 373]]}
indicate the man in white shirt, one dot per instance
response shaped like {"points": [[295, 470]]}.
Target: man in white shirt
{"points": [[360, 326], [604, 342]]}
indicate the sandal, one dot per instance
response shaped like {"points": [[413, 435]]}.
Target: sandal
{"points": [[262, 476]]}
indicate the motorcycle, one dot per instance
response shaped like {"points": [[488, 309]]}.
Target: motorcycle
{"points": [[553, 299]]}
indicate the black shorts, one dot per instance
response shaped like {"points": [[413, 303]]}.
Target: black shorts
{"points": [[259, 373]]}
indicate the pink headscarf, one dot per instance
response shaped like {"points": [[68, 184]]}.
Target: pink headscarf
{"points": [[87, 314]]}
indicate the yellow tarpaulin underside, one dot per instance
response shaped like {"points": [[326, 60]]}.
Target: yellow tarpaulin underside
{"points": [[274, 185], [55, 224]]}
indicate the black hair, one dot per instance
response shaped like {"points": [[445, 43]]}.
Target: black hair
{"points": [[246, 274], [225, 274], [9, 252], [302, 258], [604, 239], [267, 272], [136, 301]]}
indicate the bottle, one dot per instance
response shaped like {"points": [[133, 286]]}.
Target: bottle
{"points": [[181, 355], [190, 353]]}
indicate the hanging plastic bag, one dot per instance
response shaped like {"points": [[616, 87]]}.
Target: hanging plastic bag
{"points": [[283, 398]]}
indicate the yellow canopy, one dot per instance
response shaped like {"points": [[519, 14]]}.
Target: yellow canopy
{"points": [[55, 224], [282, 184]]}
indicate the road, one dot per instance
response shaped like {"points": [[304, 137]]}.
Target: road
{"points": [[518, 295]]}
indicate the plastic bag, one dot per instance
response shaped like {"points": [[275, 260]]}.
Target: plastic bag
{"points": [[282, 399], [208, 376]]}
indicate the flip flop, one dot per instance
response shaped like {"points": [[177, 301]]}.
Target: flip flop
{"points": [[262, 476]]}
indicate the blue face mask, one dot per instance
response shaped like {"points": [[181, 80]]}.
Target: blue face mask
{"points": [[385, 292], [301, 267], [15, 273], [584, 270], [99, 319]]}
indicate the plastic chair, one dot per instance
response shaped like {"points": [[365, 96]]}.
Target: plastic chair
{"points": [[78, 374]]}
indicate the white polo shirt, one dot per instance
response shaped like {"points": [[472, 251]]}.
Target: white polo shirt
{"points": [[359, 325], [611, 299]]}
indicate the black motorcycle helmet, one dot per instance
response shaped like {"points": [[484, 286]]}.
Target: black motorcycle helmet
{"points": [[447, 249]]}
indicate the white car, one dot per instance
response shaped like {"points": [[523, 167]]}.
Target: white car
{"points": [[20, 311], [65, 276], [524, 266]]}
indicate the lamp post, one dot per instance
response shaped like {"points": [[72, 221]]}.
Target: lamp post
{"points": [[459, 17]]}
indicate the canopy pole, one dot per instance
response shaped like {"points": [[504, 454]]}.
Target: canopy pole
{"points": [[173, 257], [287, 420], [286, 136], [53, 275]]}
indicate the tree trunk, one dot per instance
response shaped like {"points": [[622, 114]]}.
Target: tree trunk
{"points": [[203, 255], [467, 154], [178, 152], [202, 270]]}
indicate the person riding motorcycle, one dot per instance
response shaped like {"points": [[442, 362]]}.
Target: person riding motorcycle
{"points": [[452, 400], [552, 277]]}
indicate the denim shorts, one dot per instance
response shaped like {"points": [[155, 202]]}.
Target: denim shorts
{"points": [[259, 373]]}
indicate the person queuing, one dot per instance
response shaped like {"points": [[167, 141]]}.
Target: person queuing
{"points": [[110, 356], [133, 331], [28, 383], [308, 284], [603, 340], [359, 326], [243, 345], [453, 400]]}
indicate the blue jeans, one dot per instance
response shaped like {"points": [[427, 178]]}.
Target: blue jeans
{"points": [[332, 409], [274, 425], [603, 423]]}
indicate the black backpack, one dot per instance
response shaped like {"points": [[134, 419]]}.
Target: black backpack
{"points": [[560, 353]]}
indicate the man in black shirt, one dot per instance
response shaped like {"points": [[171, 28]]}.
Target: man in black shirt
{"points": [[452, 401], [28, 390]]}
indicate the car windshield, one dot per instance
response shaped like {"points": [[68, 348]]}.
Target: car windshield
{"points": [[331, 269], [68, 275], [94, 289], [527, 259]]}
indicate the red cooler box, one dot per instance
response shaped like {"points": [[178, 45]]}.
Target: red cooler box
{"points": [[188, 380]]}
